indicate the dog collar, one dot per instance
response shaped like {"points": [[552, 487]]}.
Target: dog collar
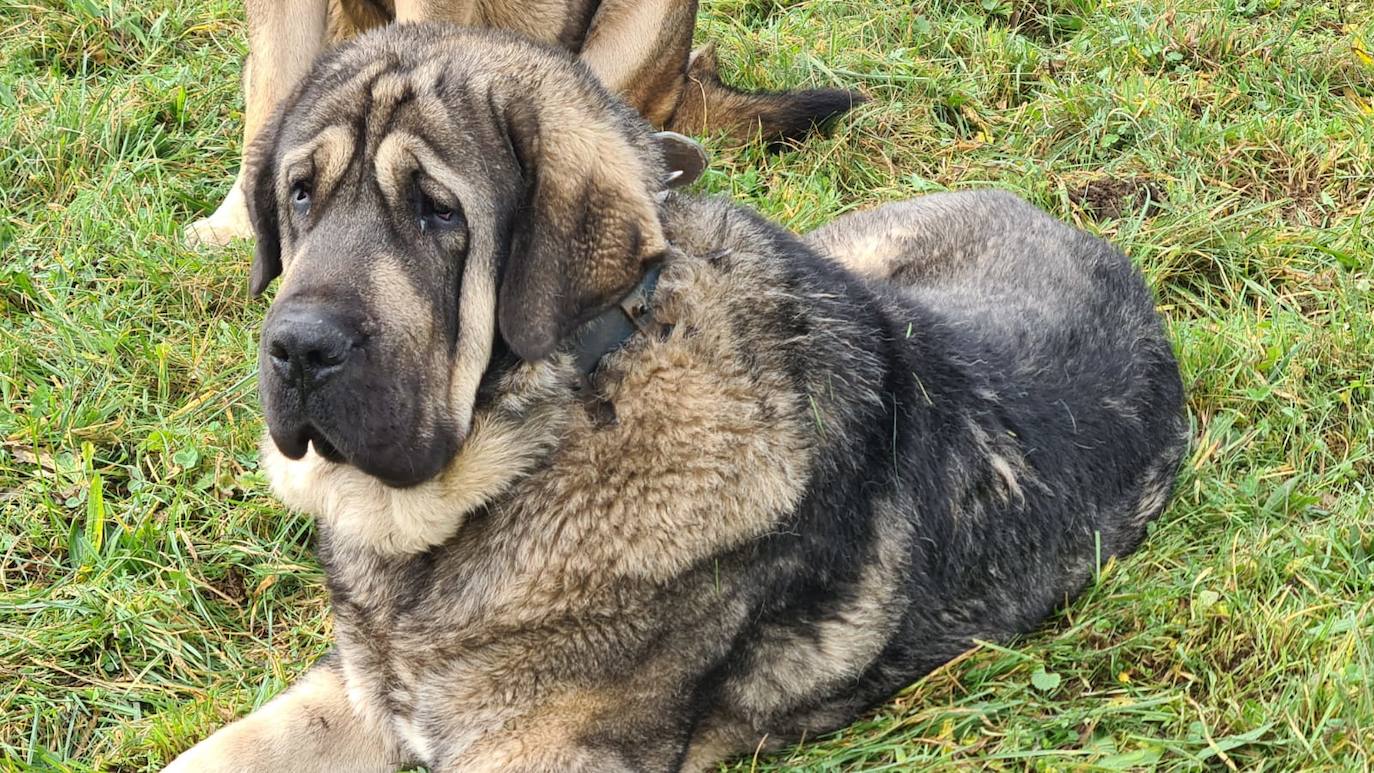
{"points": [[610, 329]]}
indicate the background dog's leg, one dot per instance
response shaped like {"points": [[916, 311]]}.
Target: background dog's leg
{"points": [[310, 727], [639, 49], [284, 37], [456, 11]]}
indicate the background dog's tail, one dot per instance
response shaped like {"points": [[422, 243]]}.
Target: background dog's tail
{"points": [[708, 106]]}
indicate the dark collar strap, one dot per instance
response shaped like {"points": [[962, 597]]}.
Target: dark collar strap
{"points": [[610, 329]]}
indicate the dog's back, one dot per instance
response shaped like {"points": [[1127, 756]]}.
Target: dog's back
{"points": [[1078, 401], [1062, 324]]}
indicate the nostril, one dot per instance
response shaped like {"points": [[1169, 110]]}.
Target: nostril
{"points": [[306, 346], [319, 359]]}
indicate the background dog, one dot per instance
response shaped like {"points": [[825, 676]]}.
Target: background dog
{"points": [[613, 478], [641, 49]]}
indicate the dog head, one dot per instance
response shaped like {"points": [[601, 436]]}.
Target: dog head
{"points": [[434, 197]]}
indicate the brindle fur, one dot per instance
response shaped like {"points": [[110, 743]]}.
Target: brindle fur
{"points": [[641, 49], [851, 455]]}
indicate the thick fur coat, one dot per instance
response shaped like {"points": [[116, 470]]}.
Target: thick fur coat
{"points": [[839, 460]]}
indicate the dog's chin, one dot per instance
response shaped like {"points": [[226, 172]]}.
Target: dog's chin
{"points": [[405, 469], [397, 465]]}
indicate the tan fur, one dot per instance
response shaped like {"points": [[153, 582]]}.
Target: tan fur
{"points": [[388, 280], [323, 160], [608, 506], [398, 155], [627, 39], [287, 36], [866, 253], [313, 724], [367, 514], [456, 11]]}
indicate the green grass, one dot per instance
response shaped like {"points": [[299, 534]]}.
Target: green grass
{"points": [[151, 589]]}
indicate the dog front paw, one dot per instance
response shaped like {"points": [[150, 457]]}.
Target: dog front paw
{"points": [[228, 223]]}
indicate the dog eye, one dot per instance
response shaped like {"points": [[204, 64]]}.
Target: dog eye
{"points": [[300, 195], [438, 216]]}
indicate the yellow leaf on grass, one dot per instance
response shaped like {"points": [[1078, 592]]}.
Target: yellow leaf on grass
{"points": [[1360, 103], [1362, 53], [266, 583]]}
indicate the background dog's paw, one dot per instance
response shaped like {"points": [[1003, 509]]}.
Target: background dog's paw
{"points": [[228, 223], [214, 232]]}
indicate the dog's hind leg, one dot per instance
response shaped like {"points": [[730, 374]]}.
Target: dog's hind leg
{"points": [[284, 37], [933, 238], [457, 11], [875, 243], [310, 727], [639, 49]]}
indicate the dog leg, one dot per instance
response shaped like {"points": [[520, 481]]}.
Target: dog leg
{"points": [[920, 240], [457, 11], [639, 49], [310, 727], [284, 37]]}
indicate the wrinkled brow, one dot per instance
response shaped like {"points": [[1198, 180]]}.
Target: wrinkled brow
{"points": [[324, 158]]}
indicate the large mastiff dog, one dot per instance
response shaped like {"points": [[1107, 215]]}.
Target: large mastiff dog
{"points": [[610, 477], [641, 49]]}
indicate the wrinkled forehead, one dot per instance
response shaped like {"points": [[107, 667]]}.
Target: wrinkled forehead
{"points": [[372, 91], [394, 116], [360, 143]]}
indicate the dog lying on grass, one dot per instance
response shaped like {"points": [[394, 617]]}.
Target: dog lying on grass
{"points": [[610, 477]]}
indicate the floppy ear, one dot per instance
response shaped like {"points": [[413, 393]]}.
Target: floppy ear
{"points": [[684, 159], [587, 230], [260, 185]]}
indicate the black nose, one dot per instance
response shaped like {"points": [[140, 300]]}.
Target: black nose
{"points": [[307, 346]]}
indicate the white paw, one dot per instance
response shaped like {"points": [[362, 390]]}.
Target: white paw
{"points": [[231, 749], [204, 757], [228, 223]]}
